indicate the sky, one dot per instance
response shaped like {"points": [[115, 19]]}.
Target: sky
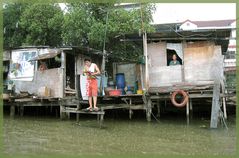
{"points": [[179, 12]]}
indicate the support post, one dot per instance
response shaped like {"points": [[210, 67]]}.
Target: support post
{"points": [[62, 113], [187, 112], [21, 110], [224, 107], [68, 115], [130, 110], [149, 110], [63, 73], [215, 105], [101, 119], [146, 60], [223, 99], [12, 110], [190, 108], [158, 107], [78, 115]]}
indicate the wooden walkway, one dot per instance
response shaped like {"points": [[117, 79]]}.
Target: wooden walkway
{"points": [[100, 114]]}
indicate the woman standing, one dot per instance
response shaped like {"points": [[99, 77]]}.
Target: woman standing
{"points": [[91, 70]]}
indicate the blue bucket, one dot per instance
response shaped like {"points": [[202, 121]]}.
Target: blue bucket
{"points": [[120, 81]]}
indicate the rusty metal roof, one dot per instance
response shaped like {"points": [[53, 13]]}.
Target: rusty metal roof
{"points": [[45, 56]]}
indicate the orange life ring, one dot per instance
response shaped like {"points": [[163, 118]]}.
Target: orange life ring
{"points": [[185, 98]]}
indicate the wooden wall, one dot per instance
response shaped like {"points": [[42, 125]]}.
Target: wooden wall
{"points": [[159, 73], [203, 61], [165, 76], [51, 78]]}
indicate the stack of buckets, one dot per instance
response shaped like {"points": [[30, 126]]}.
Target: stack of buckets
{"points": [[120, 82]]}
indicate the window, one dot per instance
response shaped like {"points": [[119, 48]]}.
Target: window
{"points": [[176, 50], [170, 54], [50, 63]]}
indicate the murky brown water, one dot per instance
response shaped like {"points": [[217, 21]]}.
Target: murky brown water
{"points": [[41, 135]]}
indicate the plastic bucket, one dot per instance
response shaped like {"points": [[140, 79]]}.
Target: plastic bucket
{"points": [[115, 92], [120, 80]]}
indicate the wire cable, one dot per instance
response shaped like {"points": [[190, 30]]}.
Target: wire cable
{"points": [[185, 36]]}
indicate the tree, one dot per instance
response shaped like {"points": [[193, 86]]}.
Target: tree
{"points": [[42, 24], [120, 23], [85, 25], [13, 33], [77, 22]]}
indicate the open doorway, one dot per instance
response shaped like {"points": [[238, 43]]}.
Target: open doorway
{"points": [[70, 71]]}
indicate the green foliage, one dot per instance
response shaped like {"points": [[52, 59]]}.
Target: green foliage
{"points": [[77, 23], [13, 33], [85, 25], [43, 24]]}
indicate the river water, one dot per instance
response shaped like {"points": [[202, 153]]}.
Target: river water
{"points": [[47, 135]]}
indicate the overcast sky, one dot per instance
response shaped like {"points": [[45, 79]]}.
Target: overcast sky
{"points": [[178, 12]]}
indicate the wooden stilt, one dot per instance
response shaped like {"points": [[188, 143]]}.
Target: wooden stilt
{"points": [[187, 112], [130, 110], [190, 108], [215, 105], [62, 113], [158, 107], [78, 115], [21, 110], [224, 107], [101, 119], [130, 113], [149, 110], [68, 115], [98, 117], [223, 98], [12, 110]]}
